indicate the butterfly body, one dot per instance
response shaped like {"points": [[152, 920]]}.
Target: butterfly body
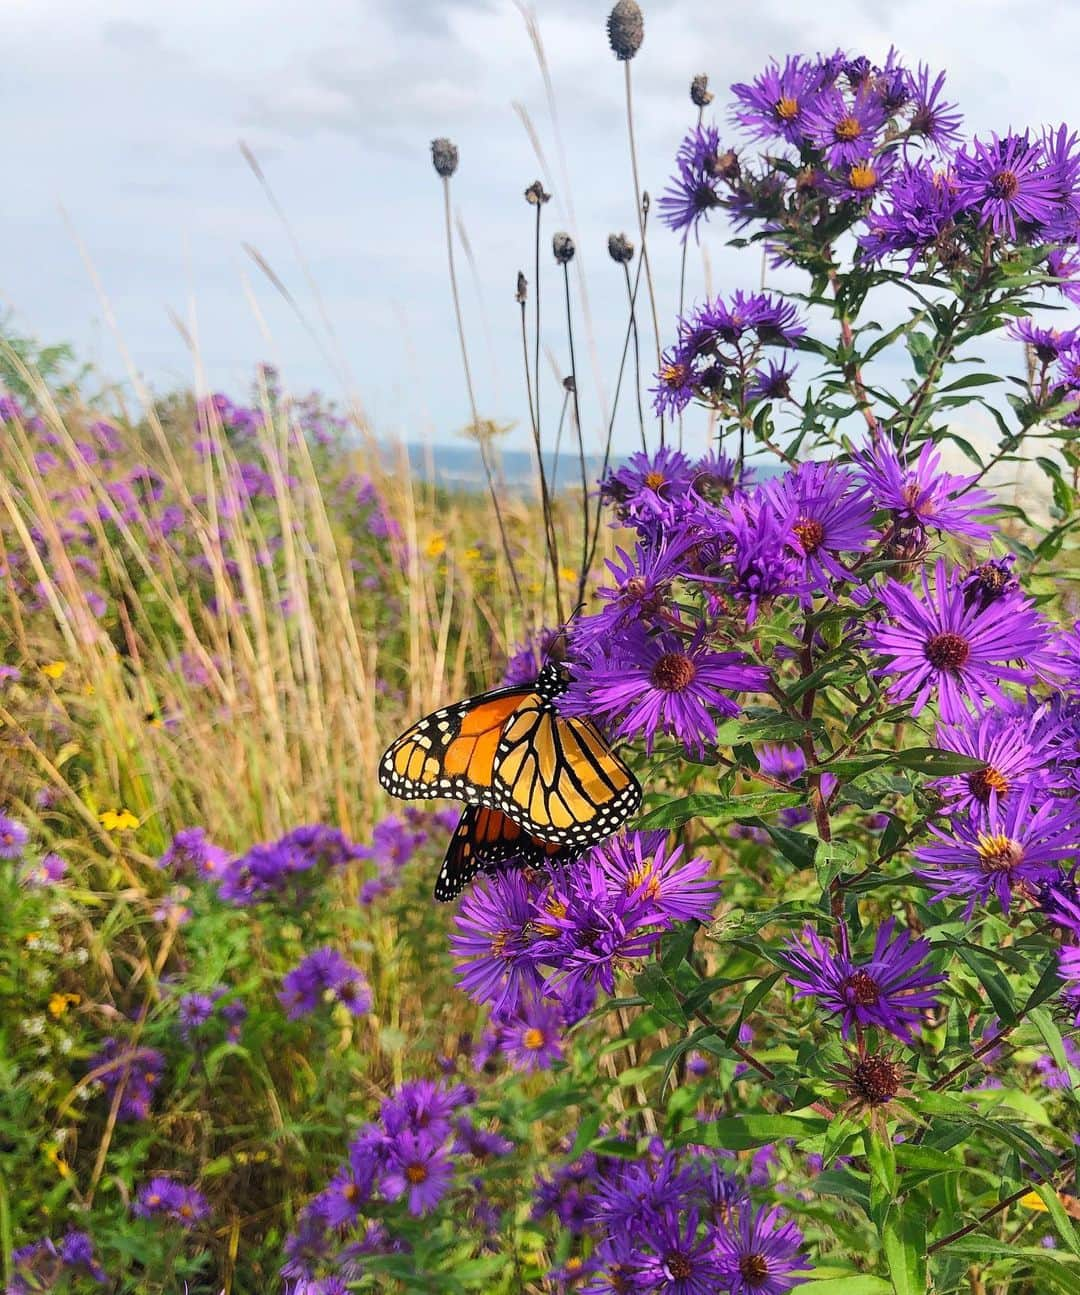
{"points": [[552, 778]]}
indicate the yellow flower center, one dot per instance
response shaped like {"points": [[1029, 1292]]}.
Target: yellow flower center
{"points": [[847, 129], [787, 108], [654, 480], [533, 1039], [999, 853], [416, 1174], [862, 176]]}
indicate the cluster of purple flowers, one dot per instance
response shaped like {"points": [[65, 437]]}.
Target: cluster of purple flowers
{"points": [[43, 1264], [134, 1072], [166, 1198], [538, 948], [412, 1157], [286, 867], [718, 354], [14, 838], [395, 840], [324, 976], [668, 1223], [203, 1017], [849, 143]]}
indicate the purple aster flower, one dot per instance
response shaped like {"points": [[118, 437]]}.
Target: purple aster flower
{"points": [[637, 1193], [676, 382], [195, 1011], [340, 1203], [1049, 344], [889, 991], [136, 1072], [49, 872], [860, 181], [528, 658], [1011, 744], [771, 319], [77, 1251], [417, 1167], [758, 1254], [1016, 847], [648, 684], [640, 866], [923, 495], [831, 513], [13, 838], [932, 119], [163, 1196], [471, 1140], [922, 204], [425, 1106], [641, 587], [846, 131], [763, 558], [776, 104], [647, 486], [940, 644], [694, 191], [494, 942], [773, 382], [587, 931], [532, 1036], [1008, 183], [321, 974], [786, 763], [1052, 1075], [717, 477], [672, 1259], [190, 851]]}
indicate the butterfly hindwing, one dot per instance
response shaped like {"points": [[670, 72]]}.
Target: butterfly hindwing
{"points": [[485, 840]]}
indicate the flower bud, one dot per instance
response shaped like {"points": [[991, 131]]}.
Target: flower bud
{"points": [[700, 94], [625, 29], [620, 248], [563, 247]]}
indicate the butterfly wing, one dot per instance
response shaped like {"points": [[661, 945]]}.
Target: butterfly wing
{"points": [[557, 777], [485, 840], [451, 752]]}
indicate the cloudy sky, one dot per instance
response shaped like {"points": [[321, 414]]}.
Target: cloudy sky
{"points": [[128, 203]]}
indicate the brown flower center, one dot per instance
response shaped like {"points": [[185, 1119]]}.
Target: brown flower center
{"points": [[351, 1192], [999, 853], [754, 1269], [984, 781], [679, 1266], [1004, 185], [862, 989], [654, 480], [809, 533], [673, 672], [787, 108], [416, 1174], [947, 651], [875, 1079], [847, 129]]}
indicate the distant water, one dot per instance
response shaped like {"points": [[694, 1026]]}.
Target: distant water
{"points": [[458, 467]]}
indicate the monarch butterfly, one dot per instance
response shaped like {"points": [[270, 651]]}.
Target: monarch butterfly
{"points": [[509, 750], [486, 838]]}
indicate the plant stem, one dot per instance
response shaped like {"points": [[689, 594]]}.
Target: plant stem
{"points": [[472, 398], [640, 208], [583, 575]]}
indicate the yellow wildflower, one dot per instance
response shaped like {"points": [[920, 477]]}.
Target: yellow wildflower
{"points": [[54, 669], [565, 573], [59, 1003], [435, 546], [118, 820], [54, 1157]]}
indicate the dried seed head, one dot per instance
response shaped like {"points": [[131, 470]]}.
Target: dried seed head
{"points": [[873, 1080], [522, 288], [620, 248], [535, 194], [700, 94], [568, 384], [563, 247], [626, 29], [444, 156]]}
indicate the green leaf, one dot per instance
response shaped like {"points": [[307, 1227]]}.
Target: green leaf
{"points": [[856, 1284], [831, 858], [719, 809], [741, 1133], [934, 761], [903, 1241], [796, 847], [659, 992], [1066, 1228]]}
